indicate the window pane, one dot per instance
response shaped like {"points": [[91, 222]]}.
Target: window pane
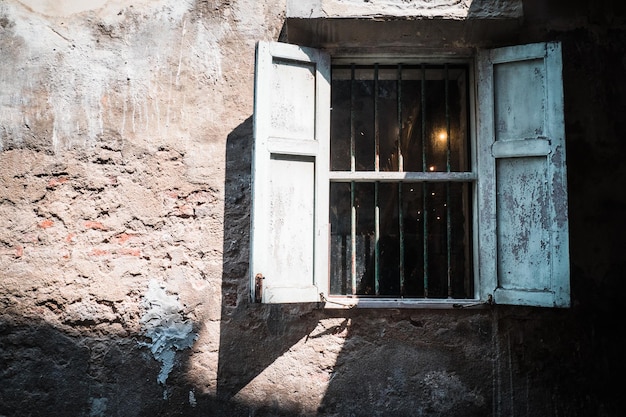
{"points": [[344, 244], [433, 106], [413, 260], [411, 110], [353, 118], [389, 243], [413, 221], [398, 238], [448, 240], [340, 125], [340, 239]]}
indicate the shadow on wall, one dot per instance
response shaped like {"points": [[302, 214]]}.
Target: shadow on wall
{"points": [[433, 363], [45, 371], [252, 336], [424, 376]]}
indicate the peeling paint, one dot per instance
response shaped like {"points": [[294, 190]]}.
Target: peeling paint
{"points": [[163, 322]]}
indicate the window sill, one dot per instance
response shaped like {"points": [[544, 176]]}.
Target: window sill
{"points": [[338, 302]]}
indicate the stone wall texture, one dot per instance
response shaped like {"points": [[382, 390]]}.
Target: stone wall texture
{"points": [[125, 149]]}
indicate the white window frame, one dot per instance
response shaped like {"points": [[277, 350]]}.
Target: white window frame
{"points": [[272, 275]]}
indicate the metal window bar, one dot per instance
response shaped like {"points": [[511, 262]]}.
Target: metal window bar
{"points": [[400, 169], [376, 185], [424, 230], [352, 184], [424, 185], [448, 169]]}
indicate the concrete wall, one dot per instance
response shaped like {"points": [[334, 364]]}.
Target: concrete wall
{"points": [[125, 141]]}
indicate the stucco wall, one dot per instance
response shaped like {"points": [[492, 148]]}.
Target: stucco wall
{"points": [[125, 142]]}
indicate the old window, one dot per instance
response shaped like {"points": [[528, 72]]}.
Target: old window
{"points": [[420, 187], [400, 181]]}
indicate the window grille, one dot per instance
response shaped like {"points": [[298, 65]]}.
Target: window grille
{"points": [[401, 181]]}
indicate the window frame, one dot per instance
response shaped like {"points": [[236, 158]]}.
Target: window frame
{"points": [[470, 176], [485, 287]]}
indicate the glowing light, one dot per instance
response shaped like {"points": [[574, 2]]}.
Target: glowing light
{"points": [[431, 168], [443, 136]]}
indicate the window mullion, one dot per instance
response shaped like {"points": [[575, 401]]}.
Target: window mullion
{"points": [[352, 185]]}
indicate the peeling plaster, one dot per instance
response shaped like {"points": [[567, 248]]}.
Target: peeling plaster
{"points": [[164, 323]]}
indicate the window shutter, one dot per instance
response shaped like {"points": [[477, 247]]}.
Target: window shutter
{"points": [[522, 189], [289, 236]]}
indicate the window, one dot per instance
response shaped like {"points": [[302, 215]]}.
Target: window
{"points": [[400, 181], [421, 187]]}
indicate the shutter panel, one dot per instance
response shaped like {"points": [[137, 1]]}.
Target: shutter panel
{"points": [[522, 189], [289, 236]]}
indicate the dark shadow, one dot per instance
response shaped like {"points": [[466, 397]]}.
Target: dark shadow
{"points": [[45, 371], [252, 336]]}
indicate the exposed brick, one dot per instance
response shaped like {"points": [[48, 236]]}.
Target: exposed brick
{"points": [[57, 181], [44, 224], [98, 252], [95, 225], [122, 238]]}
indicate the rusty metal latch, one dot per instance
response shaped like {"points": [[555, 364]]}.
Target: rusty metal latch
{"points": [[258, 287]]}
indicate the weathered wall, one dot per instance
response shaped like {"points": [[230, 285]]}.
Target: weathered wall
{"points": [[125, 141]]}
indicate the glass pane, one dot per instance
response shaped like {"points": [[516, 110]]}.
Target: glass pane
{"points": [[363, 119], [413, 222], [389, 243], [388, 120], [411, 99], [430, 113], [456, 256], [340, 247], [365, 238], [461, 265], [340, 125], [445, 115], [437, 249], [413, 118], [425, 213]]}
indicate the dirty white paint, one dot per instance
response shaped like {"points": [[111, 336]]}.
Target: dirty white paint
{"points": [[163, 322], [290, 198]]}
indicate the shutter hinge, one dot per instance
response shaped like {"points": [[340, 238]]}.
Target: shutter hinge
{"points": [[258, 287]]}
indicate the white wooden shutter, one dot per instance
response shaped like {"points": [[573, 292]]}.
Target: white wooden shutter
{"points": [[522, 189], [289, 236]]}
